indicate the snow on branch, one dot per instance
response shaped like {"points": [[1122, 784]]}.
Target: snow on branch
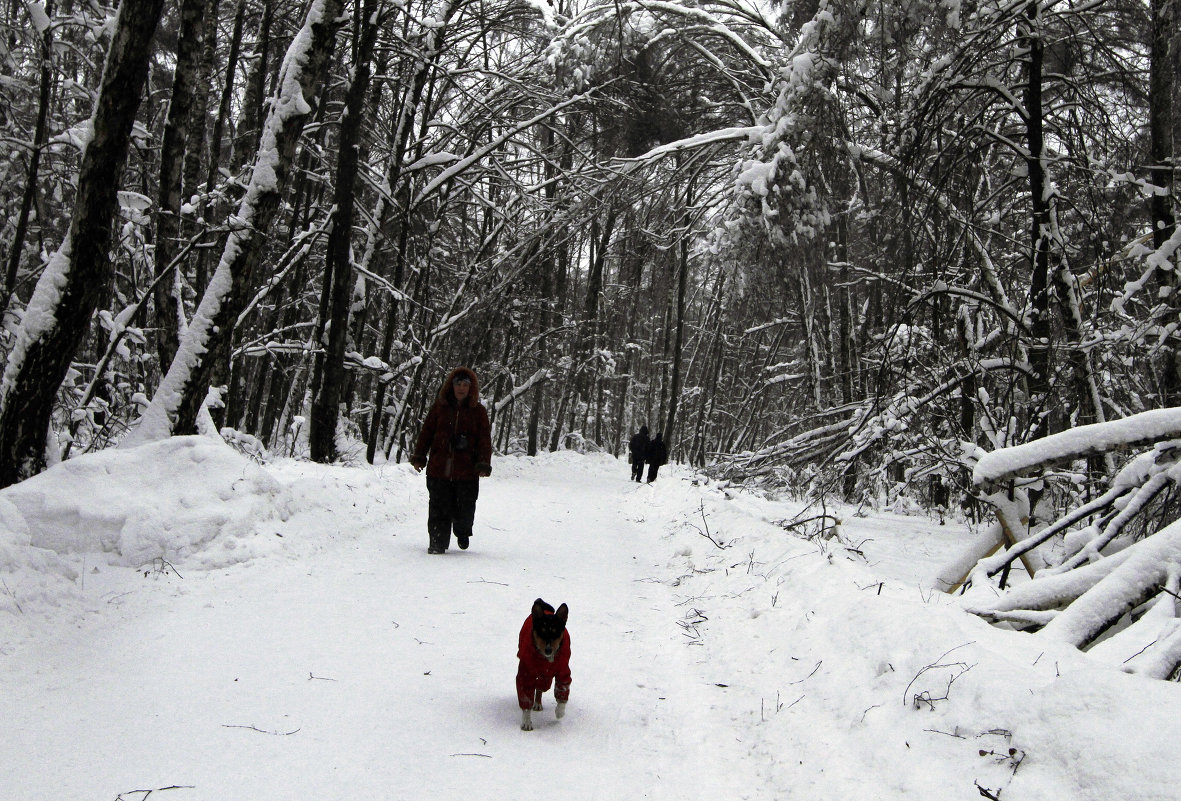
{"points": [[1134, 580], [700, 140], [539, 377], [1139, 429]]}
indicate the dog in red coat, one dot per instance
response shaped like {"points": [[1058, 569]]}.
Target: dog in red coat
{"points": [[544, 654]]}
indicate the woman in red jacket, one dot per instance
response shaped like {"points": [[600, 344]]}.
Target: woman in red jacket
{"points": [[458, 438]]}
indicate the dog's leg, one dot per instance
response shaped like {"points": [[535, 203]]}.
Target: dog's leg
{"points": [[537, 700], [560, 711], [526, 720]]}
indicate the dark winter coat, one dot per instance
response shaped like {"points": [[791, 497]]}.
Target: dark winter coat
{"points": [[535, 673], [638, 446], [657, 452], [457, 438]]}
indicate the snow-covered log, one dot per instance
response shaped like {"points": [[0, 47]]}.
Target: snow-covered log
{"points": [[1139, 576], [1047, 592], [1139, 429], [1115, 562]]}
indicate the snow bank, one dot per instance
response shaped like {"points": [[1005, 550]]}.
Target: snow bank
{"points": [[892, 680], [187, 500]]}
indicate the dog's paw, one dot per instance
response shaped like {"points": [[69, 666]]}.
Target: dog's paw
{"points": [[526, 720], [560, 712]]}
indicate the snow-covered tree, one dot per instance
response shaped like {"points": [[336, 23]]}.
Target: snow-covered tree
{"points": [[57, 315]]}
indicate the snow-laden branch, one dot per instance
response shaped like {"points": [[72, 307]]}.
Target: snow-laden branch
{"points": [[612, 12], [539, 377], [1048, 592], [713, 24], [1138, 576], [1139, 429], [699, 141]]}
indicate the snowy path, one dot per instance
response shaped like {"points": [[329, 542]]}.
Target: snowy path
{"points": [[313, 651], [377, 671]]}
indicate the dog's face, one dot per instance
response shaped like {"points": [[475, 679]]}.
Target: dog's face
{"points": [[548, 628]]}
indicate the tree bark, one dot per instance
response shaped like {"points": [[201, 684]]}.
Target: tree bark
{"points": [[329, 376], [189, 49]]}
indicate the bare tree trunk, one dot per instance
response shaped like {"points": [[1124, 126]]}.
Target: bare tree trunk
{"points": [[59, 312], [415, 104], [189, 49], [1162, 80], [201, 276], [198, 153], [679, 335], [329, 375], [534, 418], [250, 120], [1029, 33], [227, 94], [713, 369]]}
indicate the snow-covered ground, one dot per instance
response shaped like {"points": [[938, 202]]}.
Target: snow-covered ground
{"points": [[179, 619]]}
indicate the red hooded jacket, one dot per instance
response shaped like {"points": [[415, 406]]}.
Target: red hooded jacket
{"points": [[535, 672]]}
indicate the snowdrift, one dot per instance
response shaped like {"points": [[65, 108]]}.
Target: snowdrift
{"points": [[184, 500]]}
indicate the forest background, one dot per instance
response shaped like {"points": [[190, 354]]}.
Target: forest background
{"points": [[845, 248]]}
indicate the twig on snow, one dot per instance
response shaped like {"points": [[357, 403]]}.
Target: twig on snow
{"points": [[814, 669], [147, 793], [984, 791], [261, 731], [12, 595], [925, 696], [709, 536]]}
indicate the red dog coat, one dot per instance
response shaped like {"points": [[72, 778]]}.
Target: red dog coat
{"points": [[535, 673]]}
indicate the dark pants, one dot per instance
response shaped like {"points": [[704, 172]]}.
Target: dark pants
{"points": [[452, 506], [653, 469], [637, 469]]}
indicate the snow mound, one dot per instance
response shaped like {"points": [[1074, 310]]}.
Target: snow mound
{"points": [[187, 499]]}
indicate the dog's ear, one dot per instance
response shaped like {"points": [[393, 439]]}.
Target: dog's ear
{"points": [[562, 613], [540, 607]]}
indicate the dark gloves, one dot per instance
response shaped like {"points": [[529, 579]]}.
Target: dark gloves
{"points": [[418, 462], [484, 470]]}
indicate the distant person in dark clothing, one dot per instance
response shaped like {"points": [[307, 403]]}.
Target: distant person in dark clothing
{"points": [[638, 451], [657, 455], [455, 447]]}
